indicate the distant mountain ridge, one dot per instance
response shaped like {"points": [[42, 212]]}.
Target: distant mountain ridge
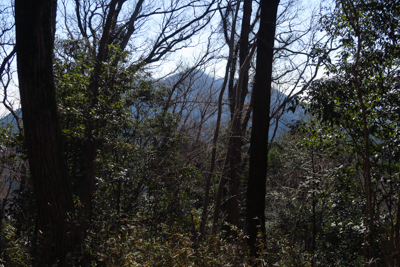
{"points": [[201, 80], [9, 119], [277, 97]]}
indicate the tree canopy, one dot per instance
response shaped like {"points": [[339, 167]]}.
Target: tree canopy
{"points": [[129, 154]]}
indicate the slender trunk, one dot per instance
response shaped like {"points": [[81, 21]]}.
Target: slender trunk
{"points": [[234, 173], [231, 84], [314, 217], [218, 197], [87, 189], [216, 132], [213, 156], [396, 245], [351, 13], [237, 100], [370, 216], [255, 217], [367, 180]]}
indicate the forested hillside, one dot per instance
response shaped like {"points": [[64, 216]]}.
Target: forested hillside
{"points": [[200, 133]]}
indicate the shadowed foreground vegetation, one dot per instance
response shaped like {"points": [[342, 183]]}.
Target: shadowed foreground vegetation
{"points": [[270, 165]]}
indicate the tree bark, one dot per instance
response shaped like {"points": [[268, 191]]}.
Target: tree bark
{"points": [[35, 28], [88, 183], [351, 15], [255, 217], [206, 201], [240, 92]]}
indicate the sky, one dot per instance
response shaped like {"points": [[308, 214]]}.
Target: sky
{"points": [[184, 57]]}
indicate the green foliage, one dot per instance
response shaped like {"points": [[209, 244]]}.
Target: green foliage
{"points": [[17, 212], [141, 164], [149, 175], [365, 77], [15, 247], [315, 207]]}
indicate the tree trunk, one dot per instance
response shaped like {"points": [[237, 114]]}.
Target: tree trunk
{"points": [[236, 138], [229, 65], [255, 217], [35, 27], [213, 156], [88, 183], [350, 13], [396, 229]]}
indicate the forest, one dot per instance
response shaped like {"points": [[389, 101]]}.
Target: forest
{"points": [[200, 133]]}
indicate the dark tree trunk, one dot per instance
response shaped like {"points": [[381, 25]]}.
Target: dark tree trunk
{"points": [[35, 27], [236, 103], [244, 49], [88, 183], [255, 217], [229, 65]]}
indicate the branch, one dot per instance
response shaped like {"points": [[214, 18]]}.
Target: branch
{"points": [[161, 47]]}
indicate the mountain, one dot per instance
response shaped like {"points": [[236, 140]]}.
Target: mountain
{"points": [[9, 119], [197, 89], [288, 117], [198, 83]]}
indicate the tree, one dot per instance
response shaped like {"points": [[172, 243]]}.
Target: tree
{"points": [[314, 198], [7, 54], [237, 98], [35, 28], [136, 147], [151, 134], [294, 69], [255, 217], [358, 99], [119, 25]]}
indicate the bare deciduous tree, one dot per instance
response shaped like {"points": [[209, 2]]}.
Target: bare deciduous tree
{"points": [[149, 30], [7, 55]]}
